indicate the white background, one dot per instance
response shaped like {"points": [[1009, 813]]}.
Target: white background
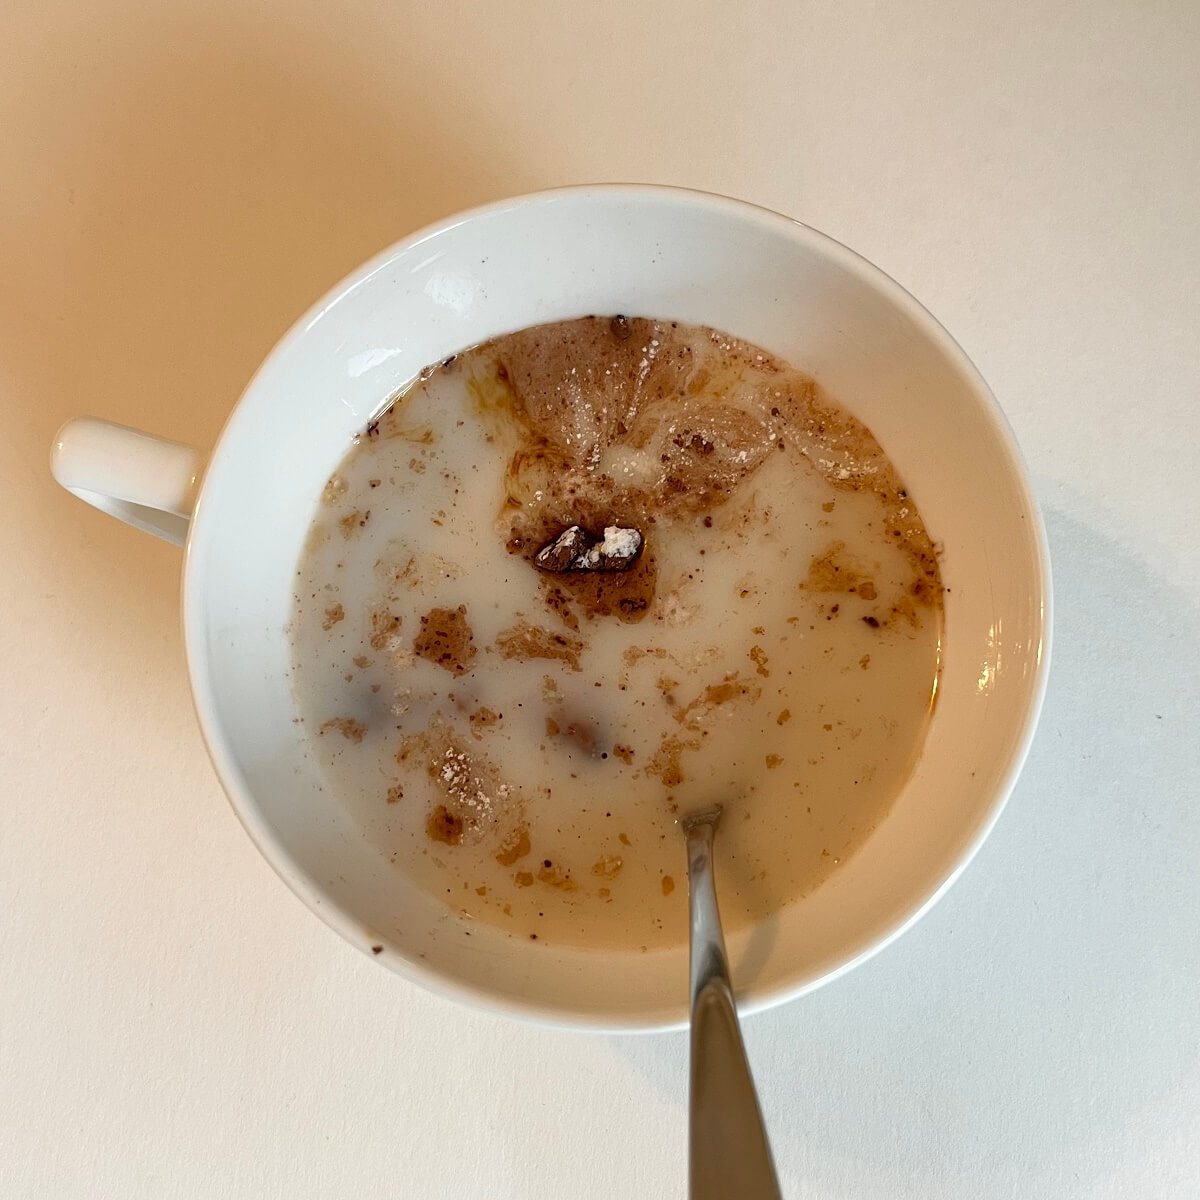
{"points": [[178, 182]]}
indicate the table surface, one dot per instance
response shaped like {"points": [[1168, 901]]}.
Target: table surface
{"points": [[180, 181]]}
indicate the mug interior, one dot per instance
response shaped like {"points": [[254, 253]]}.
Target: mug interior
{"points": [[648, 252]]}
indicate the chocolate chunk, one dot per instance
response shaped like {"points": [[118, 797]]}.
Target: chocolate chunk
{"points": [[614, 552], [563, 551], [575, 550]]}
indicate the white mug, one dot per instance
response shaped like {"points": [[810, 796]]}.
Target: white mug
{"points": [[652, 251]]}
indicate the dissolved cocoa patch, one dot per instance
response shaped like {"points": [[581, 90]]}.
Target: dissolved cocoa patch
{"points": [[444, 826], [446, 639], [524, 642]]}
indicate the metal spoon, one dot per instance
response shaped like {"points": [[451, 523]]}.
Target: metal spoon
{"points": [[729, 1157]]}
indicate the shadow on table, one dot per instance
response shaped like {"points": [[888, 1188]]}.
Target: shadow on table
{"points": [[1038, 1029], [205, 183]]}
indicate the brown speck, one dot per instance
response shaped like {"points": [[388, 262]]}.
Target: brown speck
{"points": [[668, 885], [773, 760], [523, 879], [624, 839], [865, 661], [332, 616], [785, 715], [395, 794], [624, 753], [362, 662], [608, 866], [758, 656], [872, 621], [376, 949]]}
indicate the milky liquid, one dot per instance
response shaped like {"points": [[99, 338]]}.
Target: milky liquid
{"points": [[524, 744]]}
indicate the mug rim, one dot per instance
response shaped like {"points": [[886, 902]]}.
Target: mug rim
{"points": [[318, 900]]}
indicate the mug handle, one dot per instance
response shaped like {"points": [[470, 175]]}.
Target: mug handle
{"points": [[145, 481]]}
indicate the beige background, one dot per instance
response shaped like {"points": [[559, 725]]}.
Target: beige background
{"points": [[179, 181]]}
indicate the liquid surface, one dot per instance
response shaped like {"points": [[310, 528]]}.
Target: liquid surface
{"points": [[523, 743]]}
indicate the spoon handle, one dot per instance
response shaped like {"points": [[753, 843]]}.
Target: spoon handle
{"points": [[729, 1156]]}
